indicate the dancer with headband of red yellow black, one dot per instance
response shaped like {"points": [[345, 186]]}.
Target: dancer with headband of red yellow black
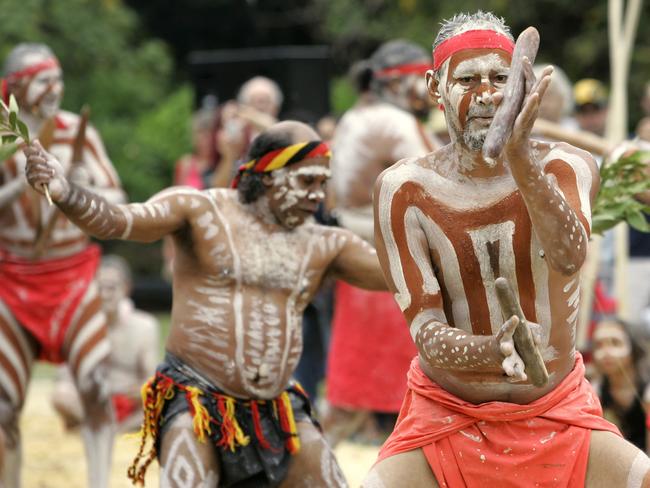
{"points": [[222, 408]]}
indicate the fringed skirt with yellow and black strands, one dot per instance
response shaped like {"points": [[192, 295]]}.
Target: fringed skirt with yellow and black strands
{"points": [[253, 439]]}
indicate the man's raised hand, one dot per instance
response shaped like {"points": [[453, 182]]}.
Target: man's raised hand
{"points": [[44, 171]]}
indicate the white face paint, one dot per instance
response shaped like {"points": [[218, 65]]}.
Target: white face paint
{"points": [[45, 90], [466, 90], [296, 192]]}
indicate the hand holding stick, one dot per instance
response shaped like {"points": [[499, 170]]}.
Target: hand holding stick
{"points": [[523, 338], [513, 95]]}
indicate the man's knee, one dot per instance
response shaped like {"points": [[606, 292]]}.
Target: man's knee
{"points": [[405, 469], [182, 453], [9, 424], [613, 461]]}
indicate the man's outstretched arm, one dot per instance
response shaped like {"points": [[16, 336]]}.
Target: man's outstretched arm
{"points": [[356, 262], [96, 216]]}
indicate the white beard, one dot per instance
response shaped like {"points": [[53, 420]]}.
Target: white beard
{"points": [[475, 139]]}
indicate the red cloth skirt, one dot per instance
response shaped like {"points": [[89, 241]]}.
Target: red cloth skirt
{"points": [[498, 443], [370, 351], [44, 295]]}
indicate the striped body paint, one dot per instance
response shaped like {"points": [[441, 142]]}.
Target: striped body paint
{"points": [[24, 217], [446, 238]]}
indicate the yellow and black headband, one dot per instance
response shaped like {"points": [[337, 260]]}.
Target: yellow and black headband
{"points": [[279, 158]]}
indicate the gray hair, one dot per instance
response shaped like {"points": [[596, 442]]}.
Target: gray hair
{"points": [[464, 22], [243, 94], [560, 85], [15, 60], [394, 53]]}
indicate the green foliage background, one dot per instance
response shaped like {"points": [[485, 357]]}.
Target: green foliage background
{"points": [[573, 32], [125, 78]]}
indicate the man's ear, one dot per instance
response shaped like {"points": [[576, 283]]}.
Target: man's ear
{"points": [[432, 87], [267, 179]]}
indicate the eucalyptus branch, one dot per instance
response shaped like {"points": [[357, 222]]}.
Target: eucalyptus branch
{"points": [[11, 129], [621, 182]]}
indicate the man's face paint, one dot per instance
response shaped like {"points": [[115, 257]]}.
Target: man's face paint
{"points": [[44, 89], [297, 190], [468, 80], [612, 347]]}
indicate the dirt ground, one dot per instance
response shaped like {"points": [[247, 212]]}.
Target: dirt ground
{"points": [[53, 458]]}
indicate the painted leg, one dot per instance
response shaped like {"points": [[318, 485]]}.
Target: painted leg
{"points": [[405, 469], [185, 461], [314, 465], [87, 354], [97, 430], [615, 462], [17, 351], [66, 400]]}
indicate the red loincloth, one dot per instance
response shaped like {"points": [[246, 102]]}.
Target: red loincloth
{"points": [[370, 351], [44, 295], [498, 443], [124, 406]]}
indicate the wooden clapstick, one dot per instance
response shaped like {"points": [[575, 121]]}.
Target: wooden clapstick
{"points": [[43, 237], [513, 95], [523, 338]]}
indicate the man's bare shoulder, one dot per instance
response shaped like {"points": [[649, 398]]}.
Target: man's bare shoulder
{"points": [[144, 321], [328, 241], [412, 170], [545, 152]]}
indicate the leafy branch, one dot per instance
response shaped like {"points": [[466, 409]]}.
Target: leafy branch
{"points": [[621, 181], [11, 129]]}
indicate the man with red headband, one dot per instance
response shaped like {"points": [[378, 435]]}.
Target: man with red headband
{"points": [[448, 224], [385, 126], [49, 303], [222, 408]]}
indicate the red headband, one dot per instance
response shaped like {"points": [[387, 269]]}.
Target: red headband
{"points": [[33, 69], [404, 69], [473, 39]]}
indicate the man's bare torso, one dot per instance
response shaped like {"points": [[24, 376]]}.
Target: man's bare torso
{"points": [[240, 287], [477, 230]]}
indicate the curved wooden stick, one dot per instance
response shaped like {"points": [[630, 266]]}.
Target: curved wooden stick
{"points": [[523, 338], [513, 95], [44, 234]]}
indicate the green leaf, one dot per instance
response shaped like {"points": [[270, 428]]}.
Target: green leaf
{"points": [[638, 221], [7, 150], [13, 105], [24, 131], [8, 139], [12, 121]]}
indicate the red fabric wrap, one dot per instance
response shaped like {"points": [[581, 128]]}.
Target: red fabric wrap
{"points": [[33, 69], [404, 69], [498, 443], [124, 406], [44, 295], [370, 351], [473, 39]]}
